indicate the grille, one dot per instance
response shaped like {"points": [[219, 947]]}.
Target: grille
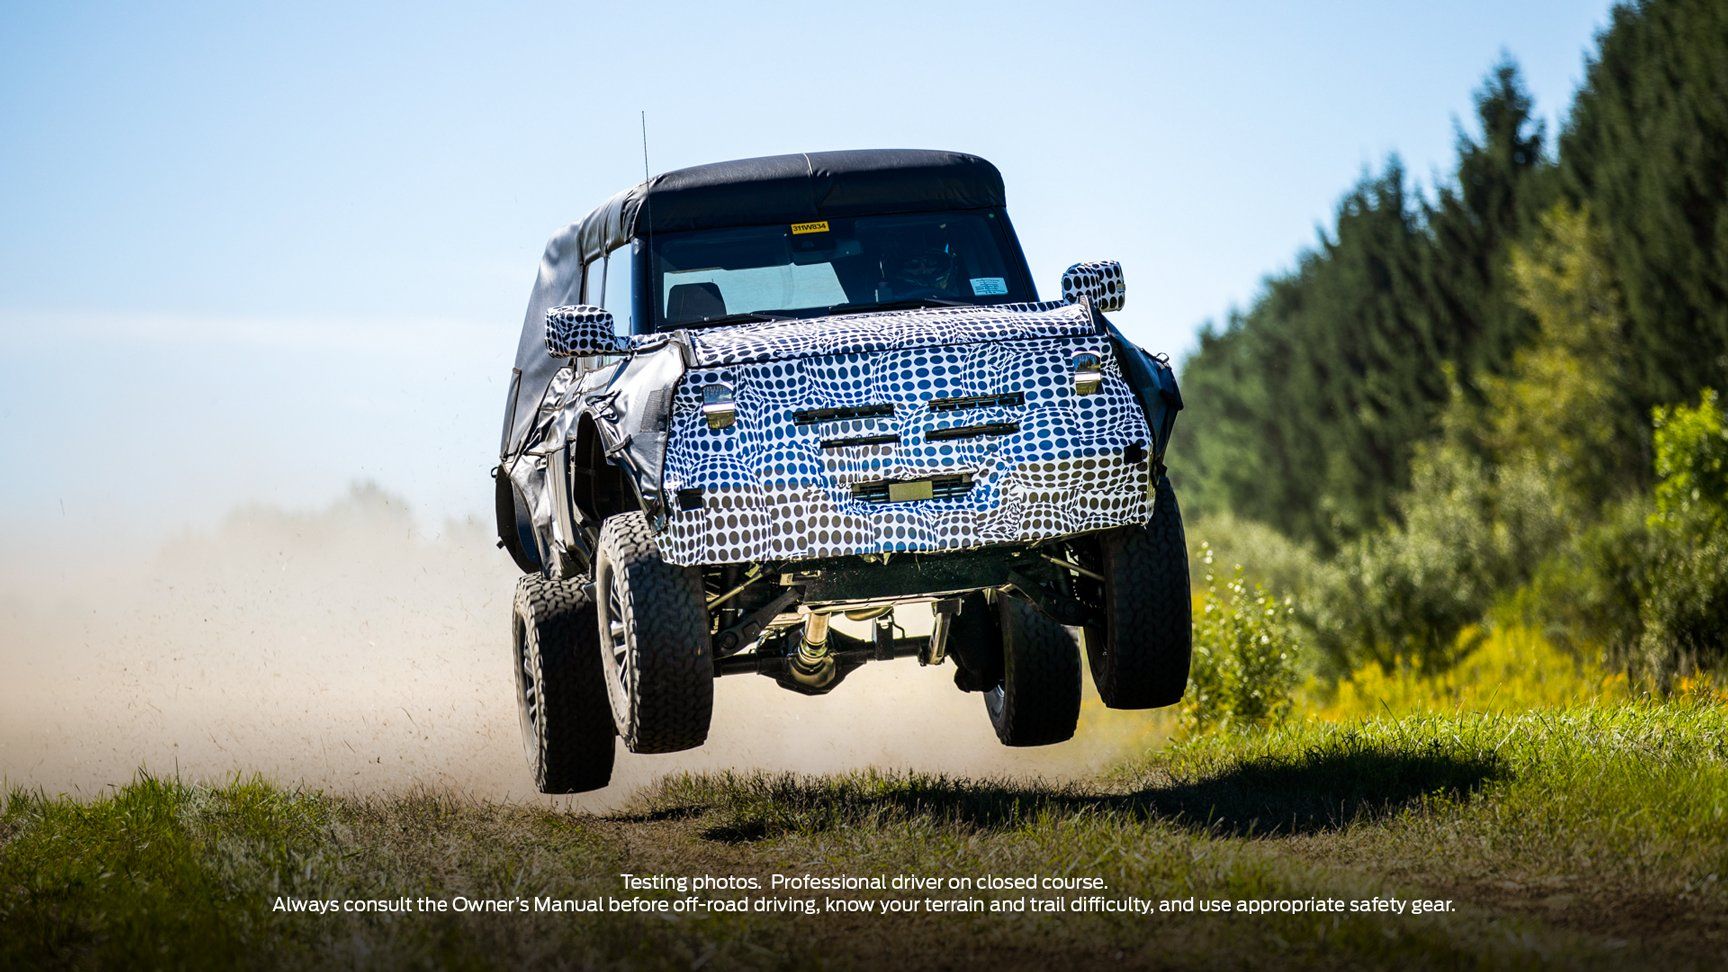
{"points": [[811, 416], [972, 431], [861, 440], [1006, 400], [936, 487]]}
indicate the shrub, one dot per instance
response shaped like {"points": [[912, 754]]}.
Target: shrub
{"points": [[1513, 669], [1268, 557], [1649, 582], [1692, 465], [1245, 652], [1414, 591], [1588, 597], [1409, 589], [1685, 609]]}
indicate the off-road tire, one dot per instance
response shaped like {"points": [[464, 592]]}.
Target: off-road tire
{"points": [[1036, 701], [567, 731], [1139, 658], [975, 645], [654, 640]]}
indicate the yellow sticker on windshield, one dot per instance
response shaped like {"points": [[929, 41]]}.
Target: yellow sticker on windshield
{"points": [[799, 229]]}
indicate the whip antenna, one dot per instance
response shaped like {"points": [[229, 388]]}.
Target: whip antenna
{"points": [[647, 201]]}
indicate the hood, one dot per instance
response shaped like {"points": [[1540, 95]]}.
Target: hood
{"points": [[887, 330]]}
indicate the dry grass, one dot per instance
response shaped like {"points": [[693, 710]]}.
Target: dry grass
{"points": [[1591, 836]]}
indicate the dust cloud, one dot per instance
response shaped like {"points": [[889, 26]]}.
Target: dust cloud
{"points": [[353, 649]]}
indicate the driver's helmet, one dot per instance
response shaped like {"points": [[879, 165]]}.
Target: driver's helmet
{"points": [[919, 268]]}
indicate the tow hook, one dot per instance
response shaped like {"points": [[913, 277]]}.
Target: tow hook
{"points": [[812, 665]]}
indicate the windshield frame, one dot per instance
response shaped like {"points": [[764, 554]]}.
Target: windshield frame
{"points": [[648, 317]]}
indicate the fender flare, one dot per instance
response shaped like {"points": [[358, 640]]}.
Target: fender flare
{"points": [[515, 528], [1154, 384]]}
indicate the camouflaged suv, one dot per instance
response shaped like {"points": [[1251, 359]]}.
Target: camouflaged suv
{"points": [[762, 407]]}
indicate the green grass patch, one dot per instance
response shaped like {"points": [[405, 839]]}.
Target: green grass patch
{"points": [[1587, 836]]}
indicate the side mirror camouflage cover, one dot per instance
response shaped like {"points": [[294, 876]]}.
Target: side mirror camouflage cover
{"points": [[580, 330], [1099, 280]]}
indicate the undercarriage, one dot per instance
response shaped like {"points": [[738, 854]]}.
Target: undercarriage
{"points": [[776, 620]]}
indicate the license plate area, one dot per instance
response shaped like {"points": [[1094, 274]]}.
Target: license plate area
{"points": [[913, 490]]}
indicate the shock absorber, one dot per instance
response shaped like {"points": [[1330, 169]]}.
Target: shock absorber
{"points": [[812, 665]]}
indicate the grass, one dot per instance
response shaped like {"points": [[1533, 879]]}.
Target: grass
{"points": [[1510, 669], [1592, 835]]}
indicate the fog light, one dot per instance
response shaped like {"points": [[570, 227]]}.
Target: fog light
{"points": [[717, 406], [1088, 372]]}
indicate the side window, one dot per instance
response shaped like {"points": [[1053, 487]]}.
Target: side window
{"points": [[620, 288], [593, 282]]}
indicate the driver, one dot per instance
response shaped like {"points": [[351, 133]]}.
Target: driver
{"points": [[917, 271]]}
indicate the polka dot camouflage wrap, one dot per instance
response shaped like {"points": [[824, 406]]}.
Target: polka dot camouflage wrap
{"points": [[887, 329], [1099, 280], [1054, 464], [579, 329]]}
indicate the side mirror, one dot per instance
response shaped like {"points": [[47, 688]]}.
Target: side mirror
{"points": [[1100, 281], [580, 330]]}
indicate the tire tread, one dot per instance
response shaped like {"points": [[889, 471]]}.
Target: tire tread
{"points": [[672, 702], [1040, 700], [1140, 660], [574, 750]]}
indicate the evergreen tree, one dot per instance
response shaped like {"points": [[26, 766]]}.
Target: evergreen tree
{"points": [[1501, 181], [1646, 147], [1237, 452], [1452, 401], [1309, 405], [1553, 410], [1372, 360], [1314, 397]]}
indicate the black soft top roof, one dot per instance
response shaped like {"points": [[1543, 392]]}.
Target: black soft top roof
{"points": [[791, 189], [772, 189]]}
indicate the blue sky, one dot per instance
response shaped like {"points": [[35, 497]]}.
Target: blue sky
{"points": [[255, 252]]}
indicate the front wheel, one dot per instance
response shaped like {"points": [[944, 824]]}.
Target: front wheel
{"points": [[653, 625], [560, 691], [1140, 654], [1030, 666]]}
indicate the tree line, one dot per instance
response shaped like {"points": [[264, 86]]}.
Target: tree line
{"points": [[1452, 391]]}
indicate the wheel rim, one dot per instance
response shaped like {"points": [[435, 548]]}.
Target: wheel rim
{"points": [[996, 699], [527, 694], [617, 640]]}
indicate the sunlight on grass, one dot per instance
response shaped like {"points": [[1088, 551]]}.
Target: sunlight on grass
{"points": [[1512, 669]]}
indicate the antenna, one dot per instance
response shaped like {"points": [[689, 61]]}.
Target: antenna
{"points": [[648, 258]]}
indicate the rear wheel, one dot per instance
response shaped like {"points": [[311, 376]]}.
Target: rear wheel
{"points": [[1139, 656], [1032, 666], [653, 625], [560, 691]]}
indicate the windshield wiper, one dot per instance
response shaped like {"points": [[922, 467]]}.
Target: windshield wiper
{"points": [[906, 304], [742, 317]]}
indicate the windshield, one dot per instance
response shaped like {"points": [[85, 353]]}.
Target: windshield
{"points": [[805, 269]]}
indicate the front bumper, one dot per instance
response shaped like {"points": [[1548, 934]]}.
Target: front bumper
{"points": [[893, 451]]}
